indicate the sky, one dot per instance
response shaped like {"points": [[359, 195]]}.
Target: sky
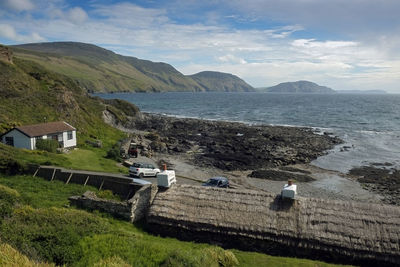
{"points": [[342, 44]]}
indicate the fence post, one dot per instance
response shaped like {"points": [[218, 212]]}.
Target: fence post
{"points": [[69, 178], [36, 171], [87, 179], [54, 172], [101, 184]]}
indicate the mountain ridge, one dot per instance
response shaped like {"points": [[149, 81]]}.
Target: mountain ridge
{"points": [[100, 70]]}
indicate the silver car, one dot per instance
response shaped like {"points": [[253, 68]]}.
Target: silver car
{"points": [[143, 169]]}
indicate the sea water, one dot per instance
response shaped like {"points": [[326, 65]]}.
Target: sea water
{"points": [[369, 124]]}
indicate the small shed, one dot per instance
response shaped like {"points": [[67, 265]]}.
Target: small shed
{"points": [[26, 136]]}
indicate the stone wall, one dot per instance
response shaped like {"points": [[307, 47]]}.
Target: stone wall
{"points": [[118, 184], [141, 202], [132, 210], [89, 201]]}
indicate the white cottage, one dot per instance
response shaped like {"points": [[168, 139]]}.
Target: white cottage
{"points": [[26, 136]]}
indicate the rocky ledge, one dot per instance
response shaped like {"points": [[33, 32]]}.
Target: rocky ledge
{"points": [[232, 146], [381, 179]]}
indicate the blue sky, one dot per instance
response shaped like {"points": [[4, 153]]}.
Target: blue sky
{"points": [[343, 44]]}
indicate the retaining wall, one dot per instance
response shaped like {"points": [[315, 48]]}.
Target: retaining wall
{"points": [[132, 210], [118, 184]]}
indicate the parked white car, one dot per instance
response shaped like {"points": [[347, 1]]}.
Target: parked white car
{"points": [[143, 169]]}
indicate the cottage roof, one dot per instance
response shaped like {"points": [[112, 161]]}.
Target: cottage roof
{"points": [[354, 229], [45, 128]]}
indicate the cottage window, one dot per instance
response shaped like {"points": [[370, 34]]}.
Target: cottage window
{"points": [[69, 135], [10, 140]]}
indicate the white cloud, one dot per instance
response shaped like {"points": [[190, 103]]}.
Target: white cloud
{"points": [[77, 15], [231, 59], [18, 5], [7, 31], [131, 15], [261, 56]]}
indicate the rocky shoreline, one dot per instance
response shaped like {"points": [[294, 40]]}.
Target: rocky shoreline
{"points": [[233, 146], [381, 179], [257, 157]]}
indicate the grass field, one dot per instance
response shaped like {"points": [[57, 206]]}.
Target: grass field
{"points": [[44, 228]]}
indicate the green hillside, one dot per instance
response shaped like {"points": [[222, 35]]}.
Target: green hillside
{"points": [[218, 81], [31, 94], [99, 70]]}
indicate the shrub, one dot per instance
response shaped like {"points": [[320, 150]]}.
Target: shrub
{"points": [[10, 166], [112, 262], [114, 153], [9, 162], [49, 145], [50, 234], [138, 250], [223, 257], [11, 257], [8, 197]]}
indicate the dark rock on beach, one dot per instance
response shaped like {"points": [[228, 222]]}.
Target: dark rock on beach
{"points": [[383, 181], [234, 146]]}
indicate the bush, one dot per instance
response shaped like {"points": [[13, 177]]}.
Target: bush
{"points": [[138, 250], [114, 153], [50, 234], [9, 163], [10, 166], [8, 197], [112, 262], [223, 257], [49, 145], [11, 257]]}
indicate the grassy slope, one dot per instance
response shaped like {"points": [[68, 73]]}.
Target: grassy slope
{"points": [[29, 94], [221, 82], [79, 238], [101, 70]]}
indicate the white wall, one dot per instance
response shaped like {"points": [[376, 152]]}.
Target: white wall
{"points": [[69, 143], [20, 140]]}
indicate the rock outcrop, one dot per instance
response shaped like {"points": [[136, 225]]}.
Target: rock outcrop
{"points": [[6, 54], [235, 146], [335, 231]]}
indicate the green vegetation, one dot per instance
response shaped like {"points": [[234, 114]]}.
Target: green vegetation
{"points": [[36, 222], [9, 256], [48, 145], [31, 94], [218, 81], [100, 70], [43, 228], [14, 161]]}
